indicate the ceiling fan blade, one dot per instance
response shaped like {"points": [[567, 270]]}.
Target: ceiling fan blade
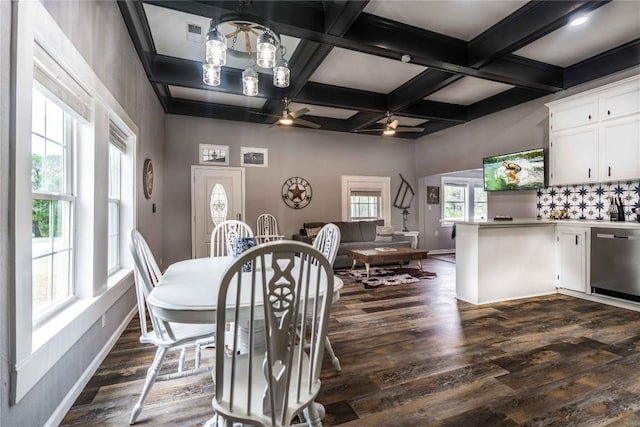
{"points": [[394, 124], [306, 123], [300, 112], [369, 130], [409, 130]]}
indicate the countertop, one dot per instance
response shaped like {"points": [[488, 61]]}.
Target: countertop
{"points": [[532, 222]]}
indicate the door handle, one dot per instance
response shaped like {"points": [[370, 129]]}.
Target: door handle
{"points": [[576, 239]]}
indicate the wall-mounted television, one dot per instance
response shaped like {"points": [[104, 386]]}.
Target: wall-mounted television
{"points": [[523, 170]]}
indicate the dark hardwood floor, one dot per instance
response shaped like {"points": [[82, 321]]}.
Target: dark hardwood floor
{"points": [[412, 355]]}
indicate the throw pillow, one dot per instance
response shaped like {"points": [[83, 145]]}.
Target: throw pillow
{"points": [[312, 232], [384, 233], [240, 245]]}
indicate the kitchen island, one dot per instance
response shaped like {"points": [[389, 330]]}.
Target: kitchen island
{"points": [[501, 260]]}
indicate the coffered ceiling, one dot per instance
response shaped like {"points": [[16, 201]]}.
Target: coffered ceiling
{"points": [[468, 58]]}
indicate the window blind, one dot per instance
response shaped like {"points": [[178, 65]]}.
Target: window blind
{"points": [[117, 137]]}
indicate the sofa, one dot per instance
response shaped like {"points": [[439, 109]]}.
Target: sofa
{"points": [[353, 235]]}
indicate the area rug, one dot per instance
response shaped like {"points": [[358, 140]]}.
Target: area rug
{"points": [[384, 276]]}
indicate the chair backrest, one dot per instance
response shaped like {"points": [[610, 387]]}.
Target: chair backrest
{"points": [[327, 241], [266, 225], [278, 368], [224, 234], [147, 275]]}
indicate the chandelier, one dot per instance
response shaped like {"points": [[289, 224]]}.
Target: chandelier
{"points": [[235, 34]]}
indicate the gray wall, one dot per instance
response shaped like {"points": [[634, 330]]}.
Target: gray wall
{"points": [[321, 157], [98, 31], [523, 127]]}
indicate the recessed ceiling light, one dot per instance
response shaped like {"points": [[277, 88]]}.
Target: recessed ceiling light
{"points": [[579, 20]]}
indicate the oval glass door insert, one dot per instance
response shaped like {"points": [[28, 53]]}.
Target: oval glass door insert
{"points": [[219, 204]]}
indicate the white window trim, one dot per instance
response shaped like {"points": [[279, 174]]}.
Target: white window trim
{"points": [[367, 183], [34, 352], [470, 183]]}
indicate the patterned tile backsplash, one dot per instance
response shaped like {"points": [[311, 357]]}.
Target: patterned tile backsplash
{"points": [[588, 201]]}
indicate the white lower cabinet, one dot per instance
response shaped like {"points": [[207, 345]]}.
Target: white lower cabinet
{"points": [[571, 267]]}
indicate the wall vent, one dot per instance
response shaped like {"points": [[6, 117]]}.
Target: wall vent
{"points": [[194, 33]]}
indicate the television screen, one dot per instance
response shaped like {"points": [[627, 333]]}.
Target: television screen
{"points": [[516, 171]]}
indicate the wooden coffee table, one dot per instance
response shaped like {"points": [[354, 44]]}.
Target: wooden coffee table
{"points": [[399, 255]]}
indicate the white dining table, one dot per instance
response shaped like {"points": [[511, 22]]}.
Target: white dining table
{"points": [[188, 291]]}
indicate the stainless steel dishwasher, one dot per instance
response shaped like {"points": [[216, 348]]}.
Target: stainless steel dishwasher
{"points": [[615, 262]]}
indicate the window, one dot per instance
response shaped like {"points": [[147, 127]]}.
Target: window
{"points": [[52, 141], [464, 199], [365, 205], [366, 198], [117, 147]]}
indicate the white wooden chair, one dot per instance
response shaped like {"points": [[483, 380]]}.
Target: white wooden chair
{"points": [[164, 335], [267, 229], [224, 234], [327, 242], [277, 377]]}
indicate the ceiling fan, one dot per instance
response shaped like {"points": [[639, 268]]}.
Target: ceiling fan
{"points": [[391, 127], [287, 118]]}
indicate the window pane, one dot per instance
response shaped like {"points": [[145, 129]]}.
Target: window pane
{"points": [[54, 171], [480, 211], [218, 204], [112, 258], [54, 122], [479, 195], [37, 163], [60, 224], [37, 109], [454, 192], [41, 278], [40, 222], [114, 172], [60, 277], [454, 211]]}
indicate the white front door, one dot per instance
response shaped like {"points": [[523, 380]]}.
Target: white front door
{"points": [[217, 194]]}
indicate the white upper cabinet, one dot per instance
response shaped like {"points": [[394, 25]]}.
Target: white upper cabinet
{"points": [[574, 114], [595, 136]]}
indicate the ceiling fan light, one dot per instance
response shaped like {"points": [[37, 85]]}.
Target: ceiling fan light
{"points": [[286, 121], [216, 46], [579, 20], [266, 48], [210, 74], [250, 82], [389, 132], [281, 74]]}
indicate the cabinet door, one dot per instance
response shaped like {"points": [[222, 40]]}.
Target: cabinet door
{"points": [[620, 152], [621, 101], [575, 113], [573, 156], [572, 260]]}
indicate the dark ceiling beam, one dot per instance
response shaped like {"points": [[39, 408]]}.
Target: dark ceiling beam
{"points": [[362, 120], [214, 111], [435, 126], [184, 72], [529, 23], [610, 62], [433, 110], [340, 97], [419, 87], [501, 101], [528, 70], [339, 15]]}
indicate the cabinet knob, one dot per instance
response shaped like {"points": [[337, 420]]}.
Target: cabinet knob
{"points": [[608, 112], [589, 172], [609, 170], [576, 239]]}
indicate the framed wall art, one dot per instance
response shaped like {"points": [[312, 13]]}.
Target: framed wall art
{"points": [[433, 195], [251, 156], [215, 155]]}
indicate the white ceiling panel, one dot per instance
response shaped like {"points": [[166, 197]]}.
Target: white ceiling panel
{"points": [[358, 70], [467, 91], [216, 97], [460, 19], [572, 44], [320, 111], [171, 38]]}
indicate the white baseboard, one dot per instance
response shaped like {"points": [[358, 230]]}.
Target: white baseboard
{"points": [[441, 251], [67, 402]]}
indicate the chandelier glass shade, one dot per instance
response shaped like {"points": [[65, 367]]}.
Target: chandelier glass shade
{"points": [[235, 34], [250, 82], [210, 74]]}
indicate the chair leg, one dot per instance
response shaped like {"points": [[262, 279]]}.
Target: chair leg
{"points": [[183, 356], [152, 374], [334, 359], [312, 415]]}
